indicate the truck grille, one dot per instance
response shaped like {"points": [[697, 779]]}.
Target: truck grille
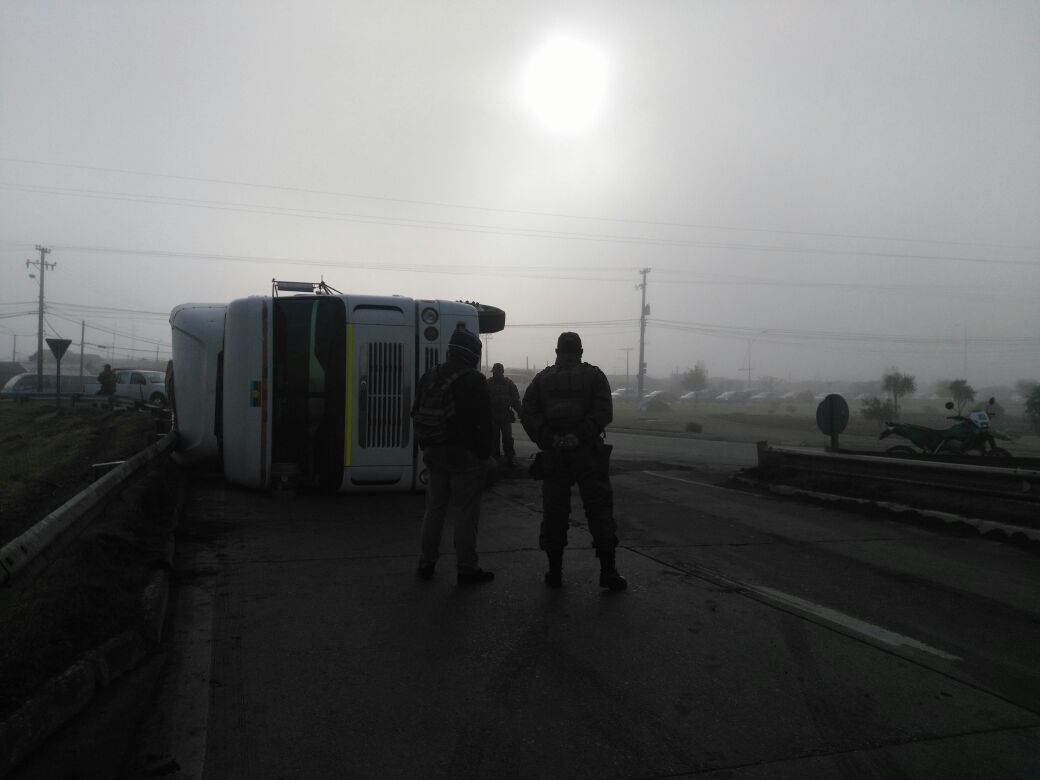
{"points": [[432, 358], [385, 400]]}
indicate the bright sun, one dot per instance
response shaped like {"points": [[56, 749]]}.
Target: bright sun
{"points": [[565, 83]]}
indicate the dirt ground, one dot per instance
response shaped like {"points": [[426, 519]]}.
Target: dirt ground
{"points": [[93, 590]]}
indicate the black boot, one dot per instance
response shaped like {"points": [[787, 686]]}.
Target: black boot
{"points": [[554, 577], [609, 577]]}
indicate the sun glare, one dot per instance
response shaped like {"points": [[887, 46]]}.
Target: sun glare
{"points": [[565, 84]]}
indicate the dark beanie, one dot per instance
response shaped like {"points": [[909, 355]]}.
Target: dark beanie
{"points": [[465, 344], [569, 342]]}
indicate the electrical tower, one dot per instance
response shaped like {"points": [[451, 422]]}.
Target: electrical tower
{"points": [[42, 265]]}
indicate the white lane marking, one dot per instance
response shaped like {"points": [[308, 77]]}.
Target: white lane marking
{"points": [[826, 613], [854, 624], [687, 481]]}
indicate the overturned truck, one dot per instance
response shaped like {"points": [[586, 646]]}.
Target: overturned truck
{"points": [[312, 389]]}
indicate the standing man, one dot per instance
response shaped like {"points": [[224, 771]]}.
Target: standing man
{"points": [[505, 400], [452, 416], [566, 410], [107, 380]]}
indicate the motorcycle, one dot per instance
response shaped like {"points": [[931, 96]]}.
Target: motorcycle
{"points": [[971, 436]]}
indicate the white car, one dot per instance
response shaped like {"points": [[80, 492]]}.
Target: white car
{"points": [[25, 384], [695, 395], [137, 386]]}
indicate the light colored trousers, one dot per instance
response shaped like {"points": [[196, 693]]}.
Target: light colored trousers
{"points": [[456, 482]]}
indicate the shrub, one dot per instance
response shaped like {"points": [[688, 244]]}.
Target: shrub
{"points": [[694, 427]]}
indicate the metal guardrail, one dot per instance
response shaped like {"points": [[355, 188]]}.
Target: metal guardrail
{"points": [[19, 554], [1010, 479], [1005, 488], [76, 399]]}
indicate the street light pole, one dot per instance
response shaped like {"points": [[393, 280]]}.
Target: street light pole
{"points": [[642, 335], [628, 353]]}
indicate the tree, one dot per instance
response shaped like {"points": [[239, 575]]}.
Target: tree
{"points": [[1033, 407], [1025, 387], [961, 392], [898, 384], [873, 408], [696, 378]]}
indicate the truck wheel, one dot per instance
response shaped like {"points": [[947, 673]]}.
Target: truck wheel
{"points": [[158, 399]]}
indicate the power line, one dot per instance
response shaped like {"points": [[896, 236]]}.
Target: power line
{"points": [[519, 212], [502, 230], [785, 335], [109, 309], [513, 271]]}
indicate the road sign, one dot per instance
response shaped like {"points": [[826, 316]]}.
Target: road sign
{"points": [[58, 347], [832, 415]]}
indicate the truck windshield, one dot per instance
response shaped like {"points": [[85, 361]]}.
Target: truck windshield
{"points": [[308, 387]]}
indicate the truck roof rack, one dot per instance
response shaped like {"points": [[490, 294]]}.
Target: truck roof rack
{"points": [[307, 288]]}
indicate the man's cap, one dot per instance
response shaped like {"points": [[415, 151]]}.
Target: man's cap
{"points": [[498, 368], [465, 342], [568, 342]]}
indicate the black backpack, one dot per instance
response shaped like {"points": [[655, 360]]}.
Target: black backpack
{"points": [[435, 406]]}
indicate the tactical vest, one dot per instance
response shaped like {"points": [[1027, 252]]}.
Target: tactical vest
{"points": [[567, 395]]}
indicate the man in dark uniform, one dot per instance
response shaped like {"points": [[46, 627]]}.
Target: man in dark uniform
{"points": [[565, 411], [505, 399], [107, 380]]}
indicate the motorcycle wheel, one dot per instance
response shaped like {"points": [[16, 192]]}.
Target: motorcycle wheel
{"points": [[901, 449]]}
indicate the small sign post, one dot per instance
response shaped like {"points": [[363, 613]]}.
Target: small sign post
{"points": [[58, 347], [832, 415]]}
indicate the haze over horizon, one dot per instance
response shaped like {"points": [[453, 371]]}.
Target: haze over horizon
{"points": [[833, 189]]}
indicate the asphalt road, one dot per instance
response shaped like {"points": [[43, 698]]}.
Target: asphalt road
{"points": [[760, 638]]}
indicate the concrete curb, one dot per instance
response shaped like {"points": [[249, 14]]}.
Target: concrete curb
{"points": [[20, 553], [984, 527], [66, 695]]}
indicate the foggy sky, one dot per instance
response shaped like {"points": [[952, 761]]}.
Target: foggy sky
{"points": [[836, 188]]}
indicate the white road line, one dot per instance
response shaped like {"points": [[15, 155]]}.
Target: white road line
{"points": [[853, 624], [856, 625]]}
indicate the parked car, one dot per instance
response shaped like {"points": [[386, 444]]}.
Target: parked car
{"points": [[25, 384], [763, 397], [734, 396], [137, 386], [657, 401], [695, 395]]}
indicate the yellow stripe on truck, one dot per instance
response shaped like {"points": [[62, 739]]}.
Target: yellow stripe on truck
{"points": [[350, 396]]}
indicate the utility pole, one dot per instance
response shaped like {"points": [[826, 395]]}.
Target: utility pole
{"points": [[42, 264], [82, 346], [749, 364], [965, 350], [643, 311]]}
